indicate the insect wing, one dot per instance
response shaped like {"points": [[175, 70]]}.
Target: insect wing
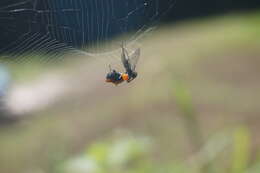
{"points": [[125, 59], [134, 58]]}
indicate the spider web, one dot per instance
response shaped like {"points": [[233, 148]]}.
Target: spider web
{"points": [[54, 28]]}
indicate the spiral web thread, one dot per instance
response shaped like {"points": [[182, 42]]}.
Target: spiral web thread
{"points": [[54, 28]]}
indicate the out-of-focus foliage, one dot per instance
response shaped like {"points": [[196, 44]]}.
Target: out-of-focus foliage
{"points": [[241, 150], [126, 154], [129, 154]]}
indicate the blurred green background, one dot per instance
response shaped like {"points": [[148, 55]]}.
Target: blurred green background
{"points": [[194, 107]]}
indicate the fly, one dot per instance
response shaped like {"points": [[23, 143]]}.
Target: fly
{"points": [[129, 63]]}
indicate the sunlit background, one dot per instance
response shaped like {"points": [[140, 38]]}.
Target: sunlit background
{"points": [[194, 107]]}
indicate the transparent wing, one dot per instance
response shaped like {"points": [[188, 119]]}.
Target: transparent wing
{"points": [[125, 59], [134, 58]]}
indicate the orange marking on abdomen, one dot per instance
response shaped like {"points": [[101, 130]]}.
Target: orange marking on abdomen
{"points": [[125, 76]]}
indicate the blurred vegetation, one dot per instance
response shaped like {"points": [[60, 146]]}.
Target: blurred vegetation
{"points": [[193, 109]]}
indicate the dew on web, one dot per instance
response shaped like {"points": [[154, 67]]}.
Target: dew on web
{"points": [[53, 28]]}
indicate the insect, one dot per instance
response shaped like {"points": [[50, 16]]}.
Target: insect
{"points": [[129, 63]]}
